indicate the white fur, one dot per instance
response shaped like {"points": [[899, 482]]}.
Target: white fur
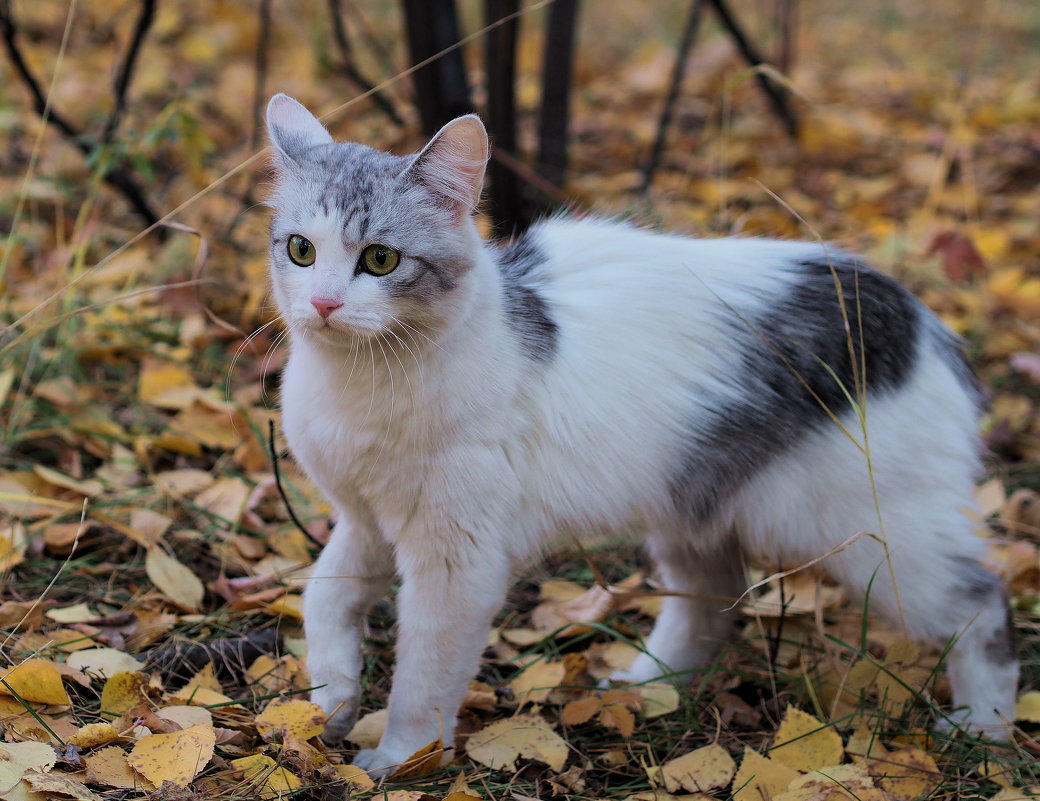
{"points": [[451, 458]]}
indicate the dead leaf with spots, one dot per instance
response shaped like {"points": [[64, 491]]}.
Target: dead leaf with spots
{"points": [[93, 735], [804, 743], [35, 680], [701, 770], [109, 767], [123, 692], [292, 716], [907, 774], [176, 757], [174, 580], [265, 777], [760, 777], [499, 744]]}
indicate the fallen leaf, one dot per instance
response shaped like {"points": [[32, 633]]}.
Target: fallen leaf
{"points": [[423, 762], [760, 777], [369, 729], [355, 777], [35, 680], [659, 698], [77, 613], [292, 716], [804, 743], [174, 580], [907, 774], [176, 757], [166, 384], [109, 767], [123, 692], [499, 744], [266, 777], [1027, 707], [17, 758], [104, 662], [537, 681], [93, 735], [61, 784], [226, 499], [701, 770], [833, 783]]}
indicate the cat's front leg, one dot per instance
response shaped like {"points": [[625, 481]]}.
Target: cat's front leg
{"points": [[445, 607], [352, 573]]}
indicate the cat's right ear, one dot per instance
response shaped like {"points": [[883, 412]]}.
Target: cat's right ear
{"points": [[452, 165], [293, 129]]}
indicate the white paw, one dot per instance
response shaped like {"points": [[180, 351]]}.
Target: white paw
{"points": [[341, 707], [990, 728], [379, 762]]}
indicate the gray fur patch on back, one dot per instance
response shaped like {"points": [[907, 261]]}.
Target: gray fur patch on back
{"points": [[1000, 647], [527, 312], [795, 365]]}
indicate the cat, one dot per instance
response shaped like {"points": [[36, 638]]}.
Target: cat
{"points": [[460, 403]]}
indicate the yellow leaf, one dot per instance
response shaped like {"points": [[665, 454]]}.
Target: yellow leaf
{"points": [[176, 757], [173, 579], [17, 758], [659, 698], [423, 762], [200, 696], [616, 716], [123, 692], [77, 613], [266, 777], [12, 545], [149, 526], [833, 783], [186, 716], [93, 735], [760, 777], [90, 487], [188, 481], [1030, 793], [60, 783], [289, 605], [581, 710], [35, 680], [1028, 707], [225, 499], [707, 768], [109, 767], [104, 662], [907, 774], [537, 681], [292, 716], [804, 743], [863, 743], [355, 777], [499, 744], [368, 730], [166, 385]]}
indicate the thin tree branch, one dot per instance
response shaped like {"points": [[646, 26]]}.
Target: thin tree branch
{"points": [[115, 177], [693, 22], [263, 42], [126, 71], [347, 64], [778, 97]]}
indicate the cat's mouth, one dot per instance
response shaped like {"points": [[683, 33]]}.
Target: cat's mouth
{"points": [[340, 331]]}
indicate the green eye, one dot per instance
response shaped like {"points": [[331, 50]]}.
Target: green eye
{"points": [[379, 259], [301, 250]]}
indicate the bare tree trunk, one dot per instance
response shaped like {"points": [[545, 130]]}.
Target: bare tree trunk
{"points": [[441, 90], [557, 71], [506, 200]]}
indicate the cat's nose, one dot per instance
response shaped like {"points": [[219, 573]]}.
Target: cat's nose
{"points": [[325, 306]]}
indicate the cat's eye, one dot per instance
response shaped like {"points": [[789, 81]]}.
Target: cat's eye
{"points": [[301, 250], [379, 259]]}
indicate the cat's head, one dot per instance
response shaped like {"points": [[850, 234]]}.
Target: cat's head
{"points": [[364, 242]]}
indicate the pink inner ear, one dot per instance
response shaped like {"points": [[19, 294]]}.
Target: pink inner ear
{"points": [[293, 127], [453, 164]]}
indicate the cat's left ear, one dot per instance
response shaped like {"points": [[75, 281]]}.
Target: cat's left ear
{"points": [[293, 129], [452, 165]]}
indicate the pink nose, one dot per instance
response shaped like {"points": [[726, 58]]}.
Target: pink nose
{"points": [[325, 306]]}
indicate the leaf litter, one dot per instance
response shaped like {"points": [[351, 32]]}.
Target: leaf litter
{"points": [[138, 520]]}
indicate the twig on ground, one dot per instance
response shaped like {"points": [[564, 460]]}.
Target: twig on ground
{"points": [[126, 70], [230, 657]]}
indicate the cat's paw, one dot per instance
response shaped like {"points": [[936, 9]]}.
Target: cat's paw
{"points": [[342, 711], [961, 722]]}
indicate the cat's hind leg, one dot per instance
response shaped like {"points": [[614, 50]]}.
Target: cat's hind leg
{"points": [[698, 617]]}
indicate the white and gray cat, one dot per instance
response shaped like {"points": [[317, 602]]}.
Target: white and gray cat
{"points": [[461, 403]]}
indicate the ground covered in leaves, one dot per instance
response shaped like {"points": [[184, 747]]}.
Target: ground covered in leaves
{"points": [[151, 643]]}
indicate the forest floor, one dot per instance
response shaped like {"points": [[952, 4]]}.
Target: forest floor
{"points": [[138, 512]]}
